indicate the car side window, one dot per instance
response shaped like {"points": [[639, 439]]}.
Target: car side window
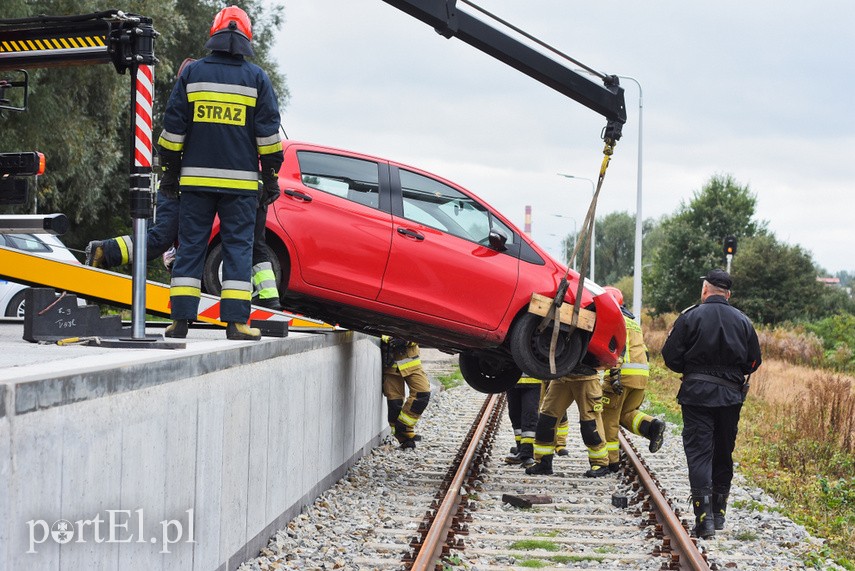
{"points": [[24, 242], [356, 180], [440, 206]]}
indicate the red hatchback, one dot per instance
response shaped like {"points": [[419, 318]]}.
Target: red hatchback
{"points": [[384, 248]]}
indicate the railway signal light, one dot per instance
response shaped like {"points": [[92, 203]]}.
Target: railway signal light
{"points": [[729, 245]]}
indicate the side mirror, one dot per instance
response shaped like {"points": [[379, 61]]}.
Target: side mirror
{"points": [[498, 241]]}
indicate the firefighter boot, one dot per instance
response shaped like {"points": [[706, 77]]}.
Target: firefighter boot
{"points": [[719, 505], [268, 302], [656, 434], [542, 468], [242, 332], [178, 329], [527, 455], [598, 472], [704, 526], [95, 254]]}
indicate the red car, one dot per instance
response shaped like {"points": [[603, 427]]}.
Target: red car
{"points": [[384, 248]]}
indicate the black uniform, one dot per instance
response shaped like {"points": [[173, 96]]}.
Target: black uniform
{"points": [[714, 346]]}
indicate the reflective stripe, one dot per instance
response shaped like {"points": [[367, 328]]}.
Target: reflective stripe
{"points": [[172, 137], [636, 422], [562, 429], [269, 149], [170, 145], [203, 172], [408, 420], [267, 145], [517, 432], [236, 294], [126, 247], [189, 282], [528, 381], [543, 449], [176, 291], [214, 96], [635, 369], [237, 285], [409, 363], [601, 453], [528, 434], [527, 440], [219, 183], [210, 86], [264, 280], [613, 446]]}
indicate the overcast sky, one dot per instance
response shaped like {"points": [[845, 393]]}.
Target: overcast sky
{"points": [[760, 90]]}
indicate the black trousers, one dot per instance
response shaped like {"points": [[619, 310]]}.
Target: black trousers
{"points": [[709, 436], [523, 402]]}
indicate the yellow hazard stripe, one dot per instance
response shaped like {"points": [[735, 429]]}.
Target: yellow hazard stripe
{"points": [[221, 97], [44, 44], [267, 149]]}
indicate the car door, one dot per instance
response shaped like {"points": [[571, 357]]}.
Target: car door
{"points": [[440, 263], [335, 208]]}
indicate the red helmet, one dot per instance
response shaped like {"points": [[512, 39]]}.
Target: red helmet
{"points": [[615, 293], [224, 18]]}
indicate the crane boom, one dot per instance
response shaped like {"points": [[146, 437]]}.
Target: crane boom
{"points": [[446, 19]]}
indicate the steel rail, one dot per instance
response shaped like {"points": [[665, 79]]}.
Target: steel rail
{"points": [[681, 542], [435, 540]]}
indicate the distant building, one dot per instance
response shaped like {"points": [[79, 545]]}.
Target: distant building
{"points": [[834, 282]]}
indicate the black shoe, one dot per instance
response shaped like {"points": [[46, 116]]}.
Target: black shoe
{"points": [[527, 462], [704, 520], [542, 468], [719, 506], [514, 450], [597, 472], [178, 329], [269, 303], [561, 451], [657, 435], [513, 459], [615, 467], [408, 443], [242, 332], [95, 254]]}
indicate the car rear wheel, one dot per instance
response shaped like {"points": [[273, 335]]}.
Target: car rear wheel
{"points": [[488, 373], [530, 349], [16, 307], [212, 276]]}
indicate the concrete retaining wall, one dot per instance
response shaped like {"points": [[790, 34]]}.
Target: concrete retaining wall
{"points": [[226, 441]]}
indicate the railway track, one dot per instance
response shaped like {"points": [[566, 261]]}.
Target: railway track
{"points": [[383, 514]]}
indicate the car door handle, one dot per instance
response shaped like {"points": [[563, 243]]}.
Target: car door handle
{"points": [[298, 195], [410, 234]]}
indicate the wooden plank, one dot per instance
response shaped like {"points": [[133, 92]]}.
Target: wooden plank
{"points": [[540, 304]]}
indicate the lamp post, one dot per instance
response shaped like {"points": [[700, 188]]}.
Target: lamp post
{"points": [[567, 261], [593, 226], [636, 270]]}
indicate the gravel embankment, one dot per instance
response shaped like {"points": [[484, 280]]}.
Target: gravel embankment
{"points": [[367, 519]]}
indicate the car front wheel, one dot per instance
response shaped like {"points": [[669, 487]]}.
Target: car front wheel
{"points": [[212, 277], [530, 349], [487, 373]]}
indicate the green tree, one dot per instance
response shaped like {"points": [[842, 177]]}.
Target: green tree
{"points": [[692, 242], [775, 282], [80, 117], [615, 247]]}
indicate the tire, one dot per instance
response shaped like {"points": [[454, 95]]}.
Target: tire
{"points": [[212, 275], [530, 350], [488, 373], [16, 305]]}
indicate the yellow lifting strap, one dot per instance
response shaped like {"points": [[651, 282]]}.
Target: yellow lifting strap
{"points": [[587, 232]]}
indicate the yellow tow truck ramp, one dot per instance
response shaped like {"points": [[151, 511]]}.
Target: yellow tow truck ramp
{"points": [[114, 288]]}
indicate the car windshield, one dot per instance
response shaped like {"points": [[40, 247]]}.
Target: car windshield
{"points": [[25, 242]]}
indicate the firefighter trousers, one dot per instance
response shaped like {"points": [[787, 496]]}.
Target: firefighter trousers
{"points": [[587, 393], [404, 410], [622, 410], [237, 222]]}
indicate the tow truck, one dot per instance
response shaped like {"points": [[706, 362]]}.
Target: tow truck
{"points": [[126, 41]]}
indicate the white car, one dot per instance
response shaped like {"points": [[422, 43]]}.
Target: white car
{"points": [[12, 293]]}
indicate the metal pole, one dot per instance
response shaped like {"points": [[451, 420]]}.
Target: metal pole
{"points": [[637, 268], [141, 191], [564, 243]]}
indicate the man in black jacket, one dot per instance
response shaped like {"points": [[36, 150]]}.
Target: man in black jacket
{"points": [[714, 346]]}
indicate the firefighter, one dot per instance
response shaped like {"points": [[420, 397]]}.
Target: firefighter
{"points": [[582, 386], [402, 366], [623, 391], [523, 400], [221, 120], [715, 347], [563, 428], [160, 240]]}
